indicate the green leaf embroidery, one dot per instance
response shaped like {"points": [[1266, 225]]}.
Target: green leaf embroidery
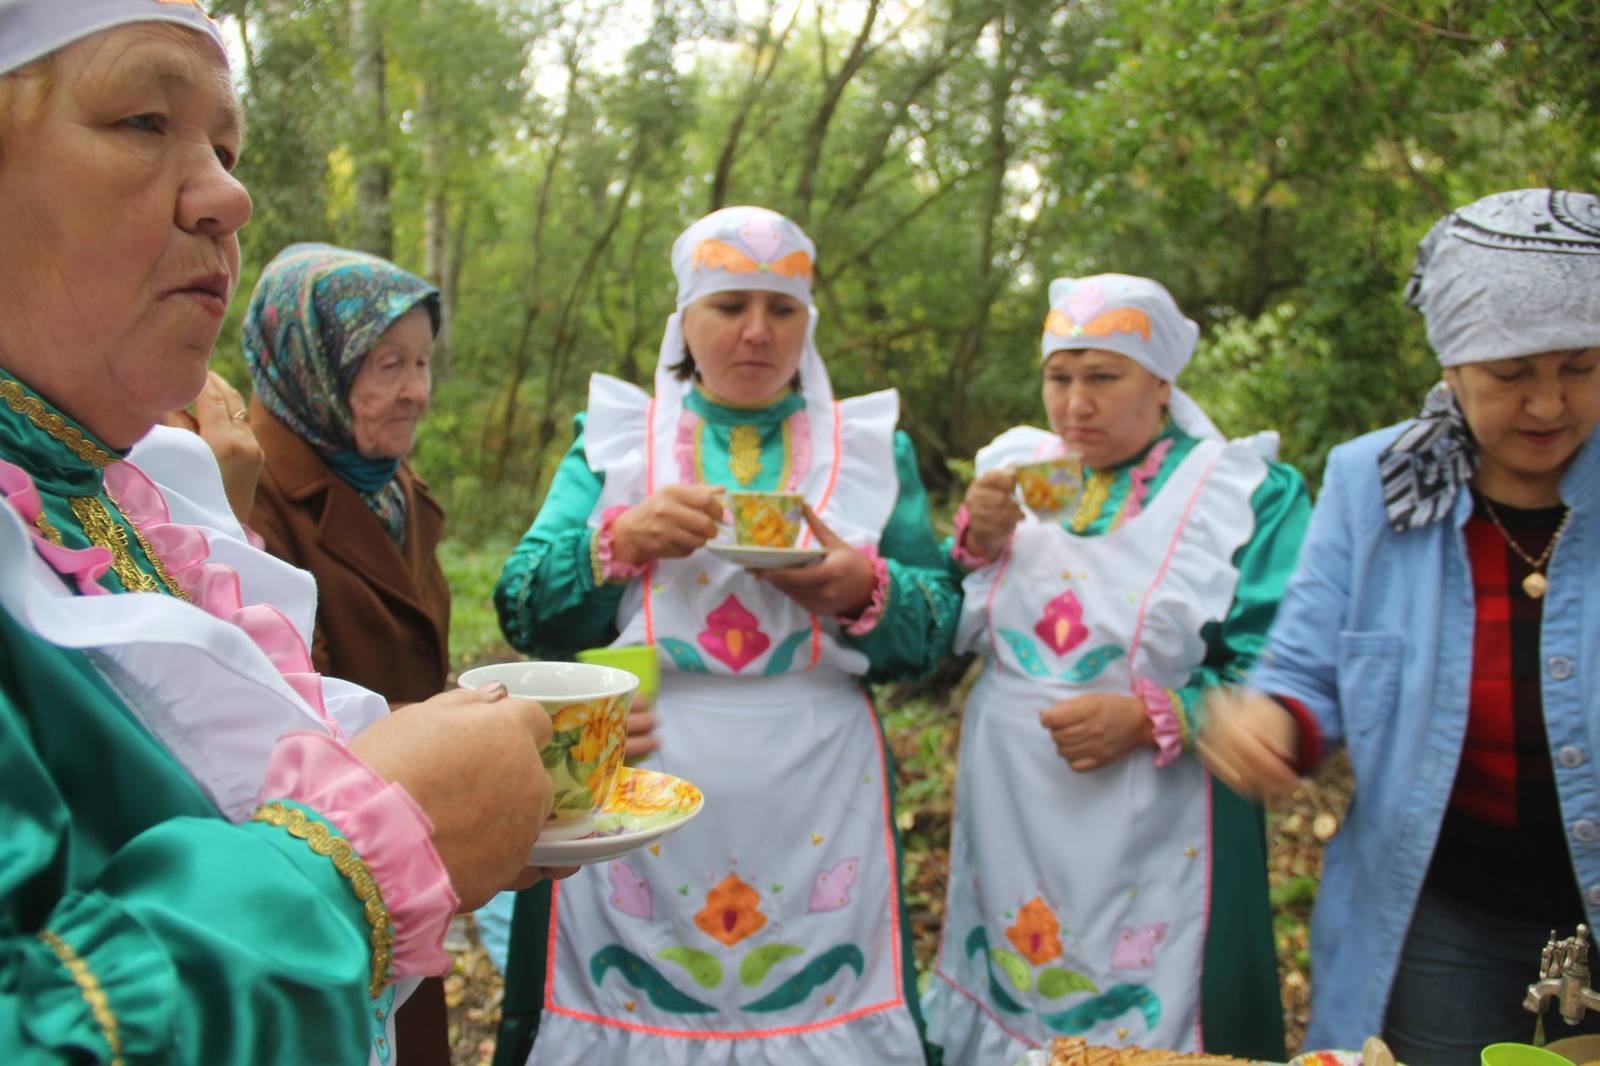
{"points": [[756, 965], [1093, 663], [783, 654], [978, 944], [1022, 647], [685, 658], [795, 990], [704, 967], [1014, 966], [1115, 1002], [1056, 982], [645, 977]]}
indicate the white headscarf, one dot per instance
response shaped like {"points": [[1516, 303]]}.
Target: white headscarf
{"points": [[1134, 317], [32, 29], [739, 248]]}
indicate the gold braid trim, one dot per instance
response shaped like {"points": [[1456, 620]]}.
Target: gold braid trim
{"points": [[88, 987], [155, 561], [1093, 501], [596, 571], [47, 527], [56, 426], [788, 456], [351, 867], [106, 532], [744, 454]]}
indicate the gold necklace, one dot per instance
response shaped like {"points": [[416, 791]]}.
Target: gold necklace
{"points": [[1535, 583]]}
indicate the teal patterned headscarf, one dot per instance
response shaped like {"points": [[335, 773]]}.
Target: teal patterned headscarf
{"points": [[316, 313]]}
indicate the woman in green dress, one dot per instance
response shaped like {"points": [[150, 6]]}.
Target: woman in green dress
{"points": [[769, 929], [199, 865]]}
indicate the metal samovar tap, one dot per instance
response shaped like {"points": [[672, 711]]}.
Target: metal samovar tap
{"points": [[1564, 977]]}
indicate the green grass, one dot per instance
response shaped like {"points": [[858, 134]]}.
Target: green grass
{"points": [[471, 573]]}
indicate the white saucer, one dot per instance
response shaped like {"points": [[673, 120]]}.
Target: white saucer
{"points": [[754, 557], [645, 806]]}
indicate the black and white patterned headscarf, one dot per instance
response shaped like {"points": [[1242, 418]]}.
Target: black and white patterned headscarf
{"points": [[1514, 274]]}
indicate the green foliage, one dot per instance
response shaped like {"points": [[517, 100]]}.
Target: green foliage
{"points": [[471, 573], [1274, 164]]}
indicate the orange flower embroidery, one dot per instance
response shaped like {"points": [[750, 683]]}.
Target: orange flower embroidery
{"points": [[1036, 933], [730, 912]]}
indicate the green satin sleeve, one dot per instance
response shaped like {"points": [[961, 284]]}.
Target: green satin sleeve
{"points": [[548, 603], [1282, 508], [136, 925], [923, 603]]}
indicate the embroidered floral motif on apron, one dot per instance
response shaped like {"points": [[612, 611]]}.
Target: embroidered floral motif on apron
{"points": [[1078, 901]]}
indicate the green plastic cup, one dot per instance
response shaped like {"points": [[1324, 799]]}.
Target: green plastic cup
{"points": [[638, 660], [1521, 1055]]}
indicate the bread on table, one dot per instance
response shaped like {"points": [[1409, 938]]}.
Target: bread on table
{"points": [[1075, 1051]]}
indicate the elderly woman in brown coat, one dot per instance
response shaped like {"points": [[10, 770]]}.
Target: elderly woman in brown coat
{"points": [[338, 347]]}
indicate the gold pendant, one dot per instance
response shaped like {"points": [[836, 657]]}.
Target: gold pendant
{"points": [[1534, 585]]}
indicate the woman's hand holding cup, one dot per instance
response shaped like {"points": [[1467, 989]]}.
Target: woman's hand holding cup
{"points": [[470, 760], [841, 583], [670, 523], [992, 513]]}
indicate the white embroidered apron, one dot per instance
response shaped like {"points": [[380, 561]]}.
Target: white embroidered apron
{"points": [[1078, 901], [767, 930]]}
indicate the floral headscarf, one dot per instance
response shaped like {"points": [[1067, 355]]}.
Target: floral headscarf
{"points": [[316, 313], [1514, 274]]}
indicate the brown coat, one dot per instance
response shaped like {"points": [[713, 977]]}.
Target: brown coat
{"points": [[383, 613]]}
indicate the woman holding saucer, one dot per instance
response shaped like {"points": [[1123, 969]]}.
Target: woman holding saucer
{"points": [[212, 854], [770, 929], [1100, 885]]}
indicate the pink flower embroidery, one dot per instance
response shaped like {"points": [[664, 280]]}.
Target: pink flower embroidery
{"points": [[1061, 627], [761, 236], [1085, 301], [733, 635]]}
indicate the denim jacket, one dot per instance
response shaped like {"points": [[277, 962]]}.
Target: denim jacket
{"points": [[1374, 636]]}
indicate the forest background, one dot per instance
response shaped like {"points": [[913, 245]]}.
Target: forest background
{"points": [[1273, 162]]}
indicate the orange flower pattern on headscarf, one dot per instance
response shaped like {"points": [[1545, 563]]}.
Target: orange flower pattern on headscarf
{"points": [[1116, 320], [1037, 933], [730, 912], [712, 254]]}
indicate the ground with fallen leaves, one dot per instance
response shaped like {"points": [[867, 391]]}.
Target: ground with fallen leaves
{"points": [[922, 723]]}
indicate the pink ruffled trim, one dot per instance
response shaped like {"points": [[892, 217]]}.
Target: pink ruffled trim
{"points": [[1139, 480], [868, 618], [214, 587], [1158, 705], [609, 566], [800, 449], [967, 559], [683, 447], [84, 566], [388, 830]]}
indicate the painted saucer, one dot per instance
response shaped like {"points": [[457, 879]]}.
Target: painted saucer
{"points": [[645, 805], [754, 557]]}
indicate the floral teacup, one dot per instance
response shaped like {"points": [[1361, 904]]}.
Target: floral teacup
{"points": [[766, 519], [1050, 486], [588, 707]]}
